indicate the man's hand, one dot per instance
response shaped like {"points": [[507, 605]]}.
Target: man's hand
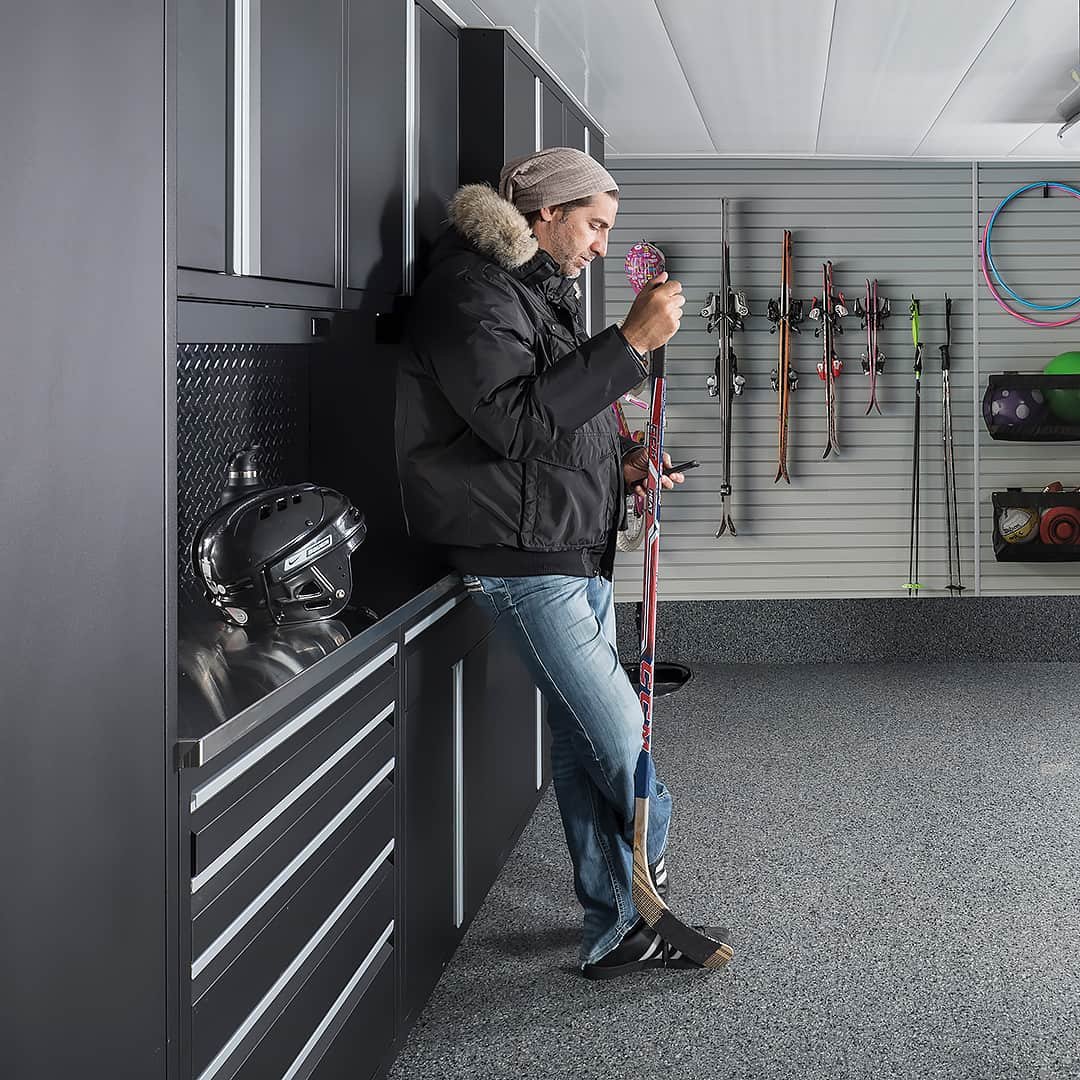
{"points": [[635, 467], [655, 316]]}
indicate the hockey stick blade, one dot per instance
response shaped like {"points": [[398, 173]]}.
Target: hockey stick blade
{"points": [[699, 947]]}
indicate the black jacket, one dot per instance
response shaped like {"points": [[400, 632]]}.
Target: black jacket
{"points": [[508, 451]]}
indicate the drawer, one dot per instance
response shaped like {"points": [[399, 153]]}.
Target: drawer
{"points": [[250, 899], [343, 1014], [261, 752], [235, 1010], [248, 826], [368, 1032]]}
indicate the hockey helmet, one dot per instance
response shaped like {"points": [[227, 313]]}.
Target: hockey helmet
{"points": [[278, 554]]}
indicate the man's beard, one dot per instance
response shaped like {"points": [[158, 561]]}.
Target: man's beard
{"points": [[567, 257]]}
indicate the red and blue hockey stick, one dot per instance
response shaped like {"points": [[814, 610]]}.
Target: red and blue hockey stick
{"points": [[643, 262]]}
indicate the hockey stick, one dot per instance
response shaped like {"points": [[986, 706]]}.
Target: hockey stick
{"points": [[642, 263]]}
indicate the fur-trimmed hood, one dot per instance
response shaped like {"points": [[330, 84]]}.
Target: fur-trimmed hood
{"points": [[493, 225]]}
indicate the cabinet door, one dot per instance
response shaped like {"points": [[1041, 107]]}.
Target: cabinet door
{"points": [[375, 153], [499, 734], [551, 118], [430, 933], [201, 94], [299, 57], [437, 83], [520, 116], [575, 130], [432, 826]]}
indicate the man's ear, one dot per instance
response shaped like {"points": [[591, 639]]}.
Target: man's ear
{"points": [[547, 213]]}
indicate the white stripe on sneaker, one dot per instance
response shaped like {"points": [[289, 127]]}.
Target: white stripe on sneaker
{"points": [[652, 949]]}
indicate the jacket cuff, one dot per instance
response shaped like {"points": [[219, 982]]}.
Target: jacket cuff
{"points": [[642, 359]]}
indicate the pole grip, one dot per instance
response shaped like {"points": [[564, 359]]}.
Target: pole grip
{"points": [[656, 362]]}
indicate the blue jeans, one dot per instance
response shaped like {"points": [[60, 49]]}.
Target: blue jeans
{"points": [[564, 629]]}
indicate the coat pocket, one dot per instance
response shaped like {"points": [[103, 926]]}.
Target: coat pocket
{"points": [[570, 493]]}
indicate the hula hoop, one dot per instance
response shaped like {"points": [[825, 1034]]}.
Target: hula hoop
{"points": [[988, 266]]}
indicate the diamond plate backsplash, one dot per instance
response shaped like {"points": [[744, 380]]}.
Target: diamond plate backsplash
{"points": [[229, 397]]}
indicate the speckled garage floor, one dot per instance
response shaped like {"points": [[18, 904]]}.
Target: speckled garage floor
{"points": [[896, 850]]}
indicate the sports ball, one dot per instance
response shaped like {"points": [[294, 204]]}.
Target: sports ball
{"points": [[1006, 407], [1060, 525], [1018, 524], [1065, 404]]}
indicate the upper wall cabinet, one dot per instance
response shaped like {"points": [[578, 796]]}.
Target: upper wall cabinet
{"points": [[259, 88], [375, 145], [201, 157], [437, 129], [575, 131], [288, 185], [552, 131], [510, 106]]}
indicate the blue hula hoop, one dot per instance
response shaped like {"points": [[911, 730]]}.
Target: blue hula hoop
{"points": [[990, 258]]}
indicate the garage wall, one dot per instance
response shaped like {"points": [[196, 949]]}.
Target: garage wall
{"points": [[1035, 245], [841, 529]]}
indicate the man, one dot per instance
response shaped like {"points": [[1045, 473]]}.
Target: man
{"points": [[510, 460]]}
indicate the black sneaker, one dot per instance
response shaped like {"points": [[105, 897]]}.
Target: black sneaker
{"points": [[644, 948]]}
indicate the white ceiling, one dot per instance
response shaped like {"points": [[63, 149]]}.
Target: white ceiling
{"points": [[911, 78]]}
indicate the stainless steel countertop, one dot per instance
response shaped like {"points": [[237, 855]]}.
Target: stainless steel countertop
{"points": [[231, 683]]}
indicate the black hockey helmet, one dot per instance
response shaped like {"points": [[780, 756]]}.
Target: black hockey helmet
{"points": [[280, 553]]}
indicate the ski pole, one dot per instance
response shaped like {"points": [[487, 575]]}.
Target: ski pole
{"points": [[952, 520], [912, 584]]}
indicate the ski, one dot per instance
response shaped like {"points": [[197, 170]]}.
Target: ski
{"points": [[724, 312], [785, 315], [912, 584], [828, 315], [952, 520], [873, 311]]}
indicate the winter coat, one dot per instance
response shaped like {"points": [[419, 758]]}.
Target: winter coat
{"points": [[508, 449]]}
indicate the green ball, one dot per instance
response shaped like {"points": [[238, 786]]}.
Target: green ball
{"points": [[1065, 404]]}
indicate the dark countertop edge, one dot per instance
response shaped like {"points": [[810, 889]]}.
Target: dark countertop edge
{"points": [[197, 751]]}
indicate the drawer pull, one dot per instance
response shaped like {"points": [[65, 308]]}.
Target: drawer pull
{"points": [[238, 924], [338, 1005], [298, 962], [207, 790], [310, 781]]}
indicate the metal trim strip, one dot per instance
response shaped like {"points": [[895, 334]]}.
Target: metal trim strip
{"points": [[459, 793], [198, 966], [539, 739], [430, 620], [412, 149], [298, 961], [304, 786], [219, 781]]}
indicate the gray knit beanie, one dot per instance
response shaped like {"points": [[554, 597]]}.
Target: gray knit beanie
{"points": [[553, 177]]}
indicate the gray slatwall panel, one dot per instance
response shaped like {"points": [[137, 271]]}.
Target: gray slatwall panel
{"points": [[1035, 246], [841, 529]]}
